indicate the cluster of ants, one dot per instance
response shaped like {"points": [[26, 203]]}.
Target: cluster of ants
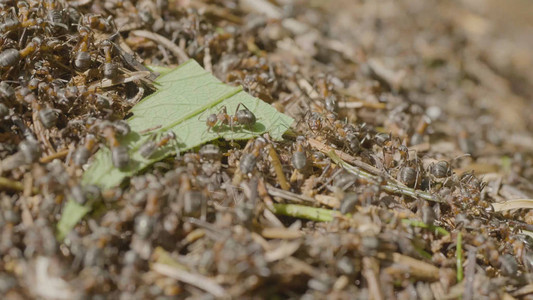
{"points": [[64, 76], [66, 71]]}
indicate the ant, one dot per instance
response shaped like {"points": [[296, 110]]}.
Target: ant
{"points": [[421, 129], [82, 61], [55, 17], [299, 156], [148, 149], [109, 68], [249, 160], [10, 23], [97, 22], [24, 13], [119, 154], [10, 57], [81, 156], [241, 117], [6, 91], [48, 116]]}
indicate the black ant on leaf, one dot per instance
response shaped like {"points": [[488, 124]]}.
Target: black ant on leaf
{"points": [[241, 117]]}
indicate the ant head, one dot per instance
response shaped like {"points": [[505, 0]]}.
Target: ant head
{"points": [[171, 135], [211, 120]]}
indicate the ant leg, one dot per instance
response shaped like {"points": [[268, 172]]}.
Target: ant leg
{"points": [[239, 105], [177, 147], [223, 109]]}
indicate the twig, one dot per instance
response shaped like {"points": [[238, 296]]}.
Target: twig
{"points": [[370, 270], [274, 192], [527, 289], [125, 78], [51, 157], [263, 7], [15, 186], [176, 51], [361, 103], [197, 280], [27, 218], [278, 168], [284, 250], [344, 156], [207, 60], [421, 224], [459, 255], [8, 184], [417, 268], [305, 212], [470, 272], [389, 186], [513, 204]]}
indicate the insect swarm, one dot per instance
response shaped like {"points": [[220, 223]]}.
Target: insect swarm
{"points": [[229, 238]]}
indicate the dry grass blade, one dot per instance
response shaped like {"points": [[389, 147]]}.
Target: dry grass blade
{"points": [[8, 184], [470, 272], [176, 51], [286, 195], [196, 280], [51, 157], [344, 156], [285, 250], [391, 186], [525, 290], [370, 271], [513, 204]]}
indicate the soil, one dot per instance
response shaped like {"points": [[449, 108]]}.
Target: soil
{"points": [[413, 126]]}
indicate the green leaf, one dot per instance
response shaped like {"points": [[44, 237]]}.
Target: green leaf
{"points": [[72, 214], [186, 96]]}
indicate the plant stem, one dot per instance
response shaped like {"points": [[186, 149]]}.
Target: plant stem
{"points": [[389, 186], [459, 255], [305, 212], [8, 184], [416, 223]]}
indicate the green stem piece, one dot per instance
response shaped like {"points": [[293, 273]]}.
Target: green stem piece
{"points": [[459, 255], [305, 212]]}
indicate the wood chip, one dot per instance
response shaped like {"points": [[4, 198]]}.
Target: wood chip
{"points": [[172, 47]]}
